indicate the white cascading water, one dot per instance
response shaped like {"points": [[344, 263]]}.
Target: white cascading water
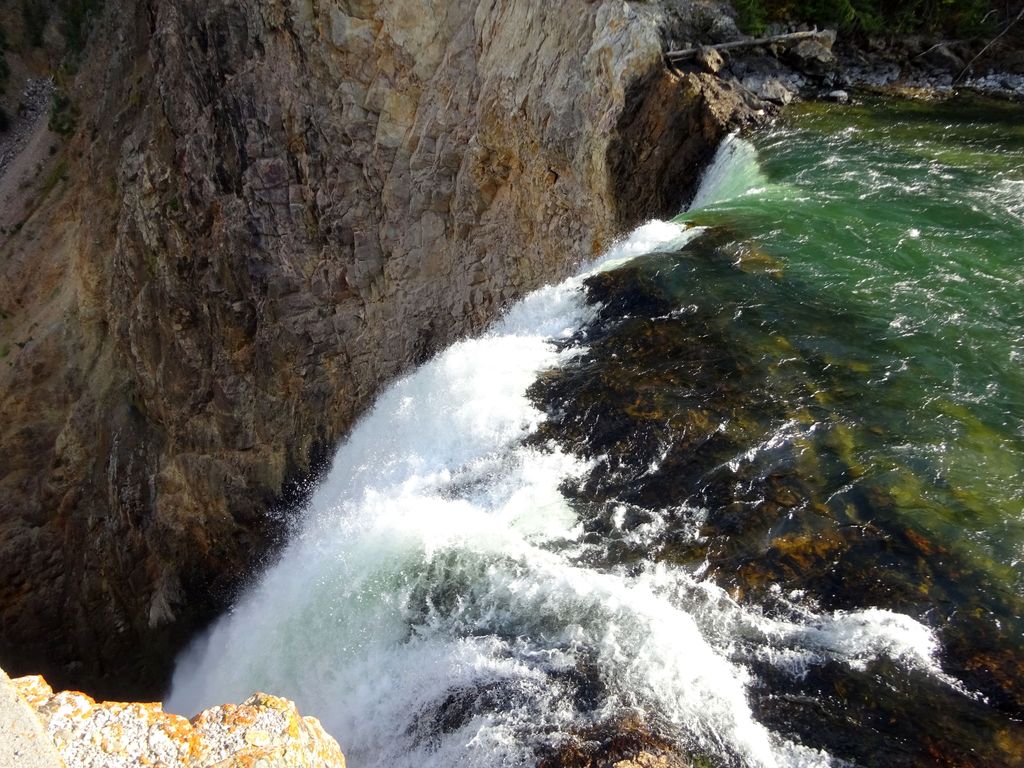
{"points": [[733, 172], [437, 567]]}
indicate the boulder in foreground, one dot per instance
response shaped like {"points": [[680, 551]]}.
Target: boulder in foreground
{"points": [[264, 731]]}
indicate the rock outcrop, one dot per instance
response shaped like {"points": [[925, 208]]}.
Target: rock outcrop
{"points": [[268, 211], [23, 742], [263, 731]]}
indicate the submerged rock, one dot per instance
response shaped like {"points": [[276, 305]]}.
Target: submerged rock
{"points": [[262, 731], [709, 420], [624, 742]]}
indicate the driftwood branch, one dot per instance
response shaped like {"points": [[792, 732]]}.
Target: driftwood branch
{"points": [[991, 42], [939, 44], [791, 37]]}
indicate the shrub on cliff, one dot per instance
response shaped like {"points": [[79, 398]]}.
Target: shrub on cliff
{"points": [[5, 69], [878, 17], [63, 114], [77, 16], [35, 14], [73, 19]]}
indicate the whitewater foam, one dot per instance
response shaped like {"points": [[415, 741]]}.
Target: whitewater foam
{"points": [[734, 172], [432, 610]]}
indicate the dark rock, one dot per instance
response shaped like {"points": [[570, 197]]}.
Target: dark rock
{"points": [[665, 402], [814, 54], [941, 58], [272, 211], [668, 130], [710, 60], [623, 742], [774, 90]]}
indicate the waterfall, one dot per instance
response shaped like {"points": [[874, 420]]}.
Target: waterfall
{"points": [[734, 171], [430, 610]]}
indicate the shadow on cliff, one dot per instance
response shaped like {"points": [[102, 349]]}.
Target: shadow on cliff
{"points": [[270, 214]]}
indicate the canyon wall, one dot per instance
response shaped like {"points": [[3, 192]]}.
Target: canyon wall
{"points": [[267, 211]]}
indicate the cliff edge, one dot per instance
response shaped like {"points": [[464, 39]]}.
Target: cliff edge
{"points": [[23, 741], [258, 215], [264, 730]]}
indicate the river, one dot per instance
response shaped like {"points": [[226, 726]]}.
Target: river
{"points": [[747, 490]]}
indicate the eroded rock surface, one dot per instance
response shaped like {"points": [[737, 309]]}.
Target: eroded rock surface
{"points": [[268, 211], [263, 731]]}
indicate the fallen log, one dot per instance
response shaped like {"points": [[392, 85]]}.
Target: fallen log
{"points": [[790, 37]]}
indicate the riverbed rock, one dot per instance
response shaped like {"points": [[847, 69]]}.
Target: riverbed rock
{"points": [[774, 90], [710, 60], [941, 58], [262, 731], [814, 55], [620, 742], [269, 211]]}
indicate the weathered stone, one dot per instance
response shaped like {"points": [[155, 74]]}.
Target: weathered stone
{"points": [[815, 53], [264, 730], [23, 742], [669, 129], [775, 91], [941, 58], [710, 60]]}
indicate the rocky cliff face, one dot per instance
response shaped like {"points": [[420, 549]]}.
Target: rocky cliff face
{"points": [[270, 209], [263, 731]]}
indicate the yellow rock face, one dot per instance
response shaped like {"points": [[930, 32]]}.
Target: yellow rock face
{"points": [[263, 732]]}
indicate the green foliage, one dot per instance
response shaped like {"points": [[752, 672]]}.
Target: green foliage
{"points": [[63, 114], [958, 18], [56, 175], [77, 16], [751, 15], [74, 19], [5, 69], [35, 14]]}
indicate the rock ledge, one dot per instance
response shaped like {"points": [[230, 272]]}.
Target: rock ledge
{"points": [[265, 731]]}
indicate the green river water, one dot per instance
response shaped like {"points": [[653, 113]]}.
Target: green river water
{"points": [[898, 233], [746, 492], [829, 381]]}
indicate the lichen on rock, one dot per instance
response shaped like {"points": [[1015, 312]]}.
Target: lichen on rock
{"points": [[265, 731]]}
